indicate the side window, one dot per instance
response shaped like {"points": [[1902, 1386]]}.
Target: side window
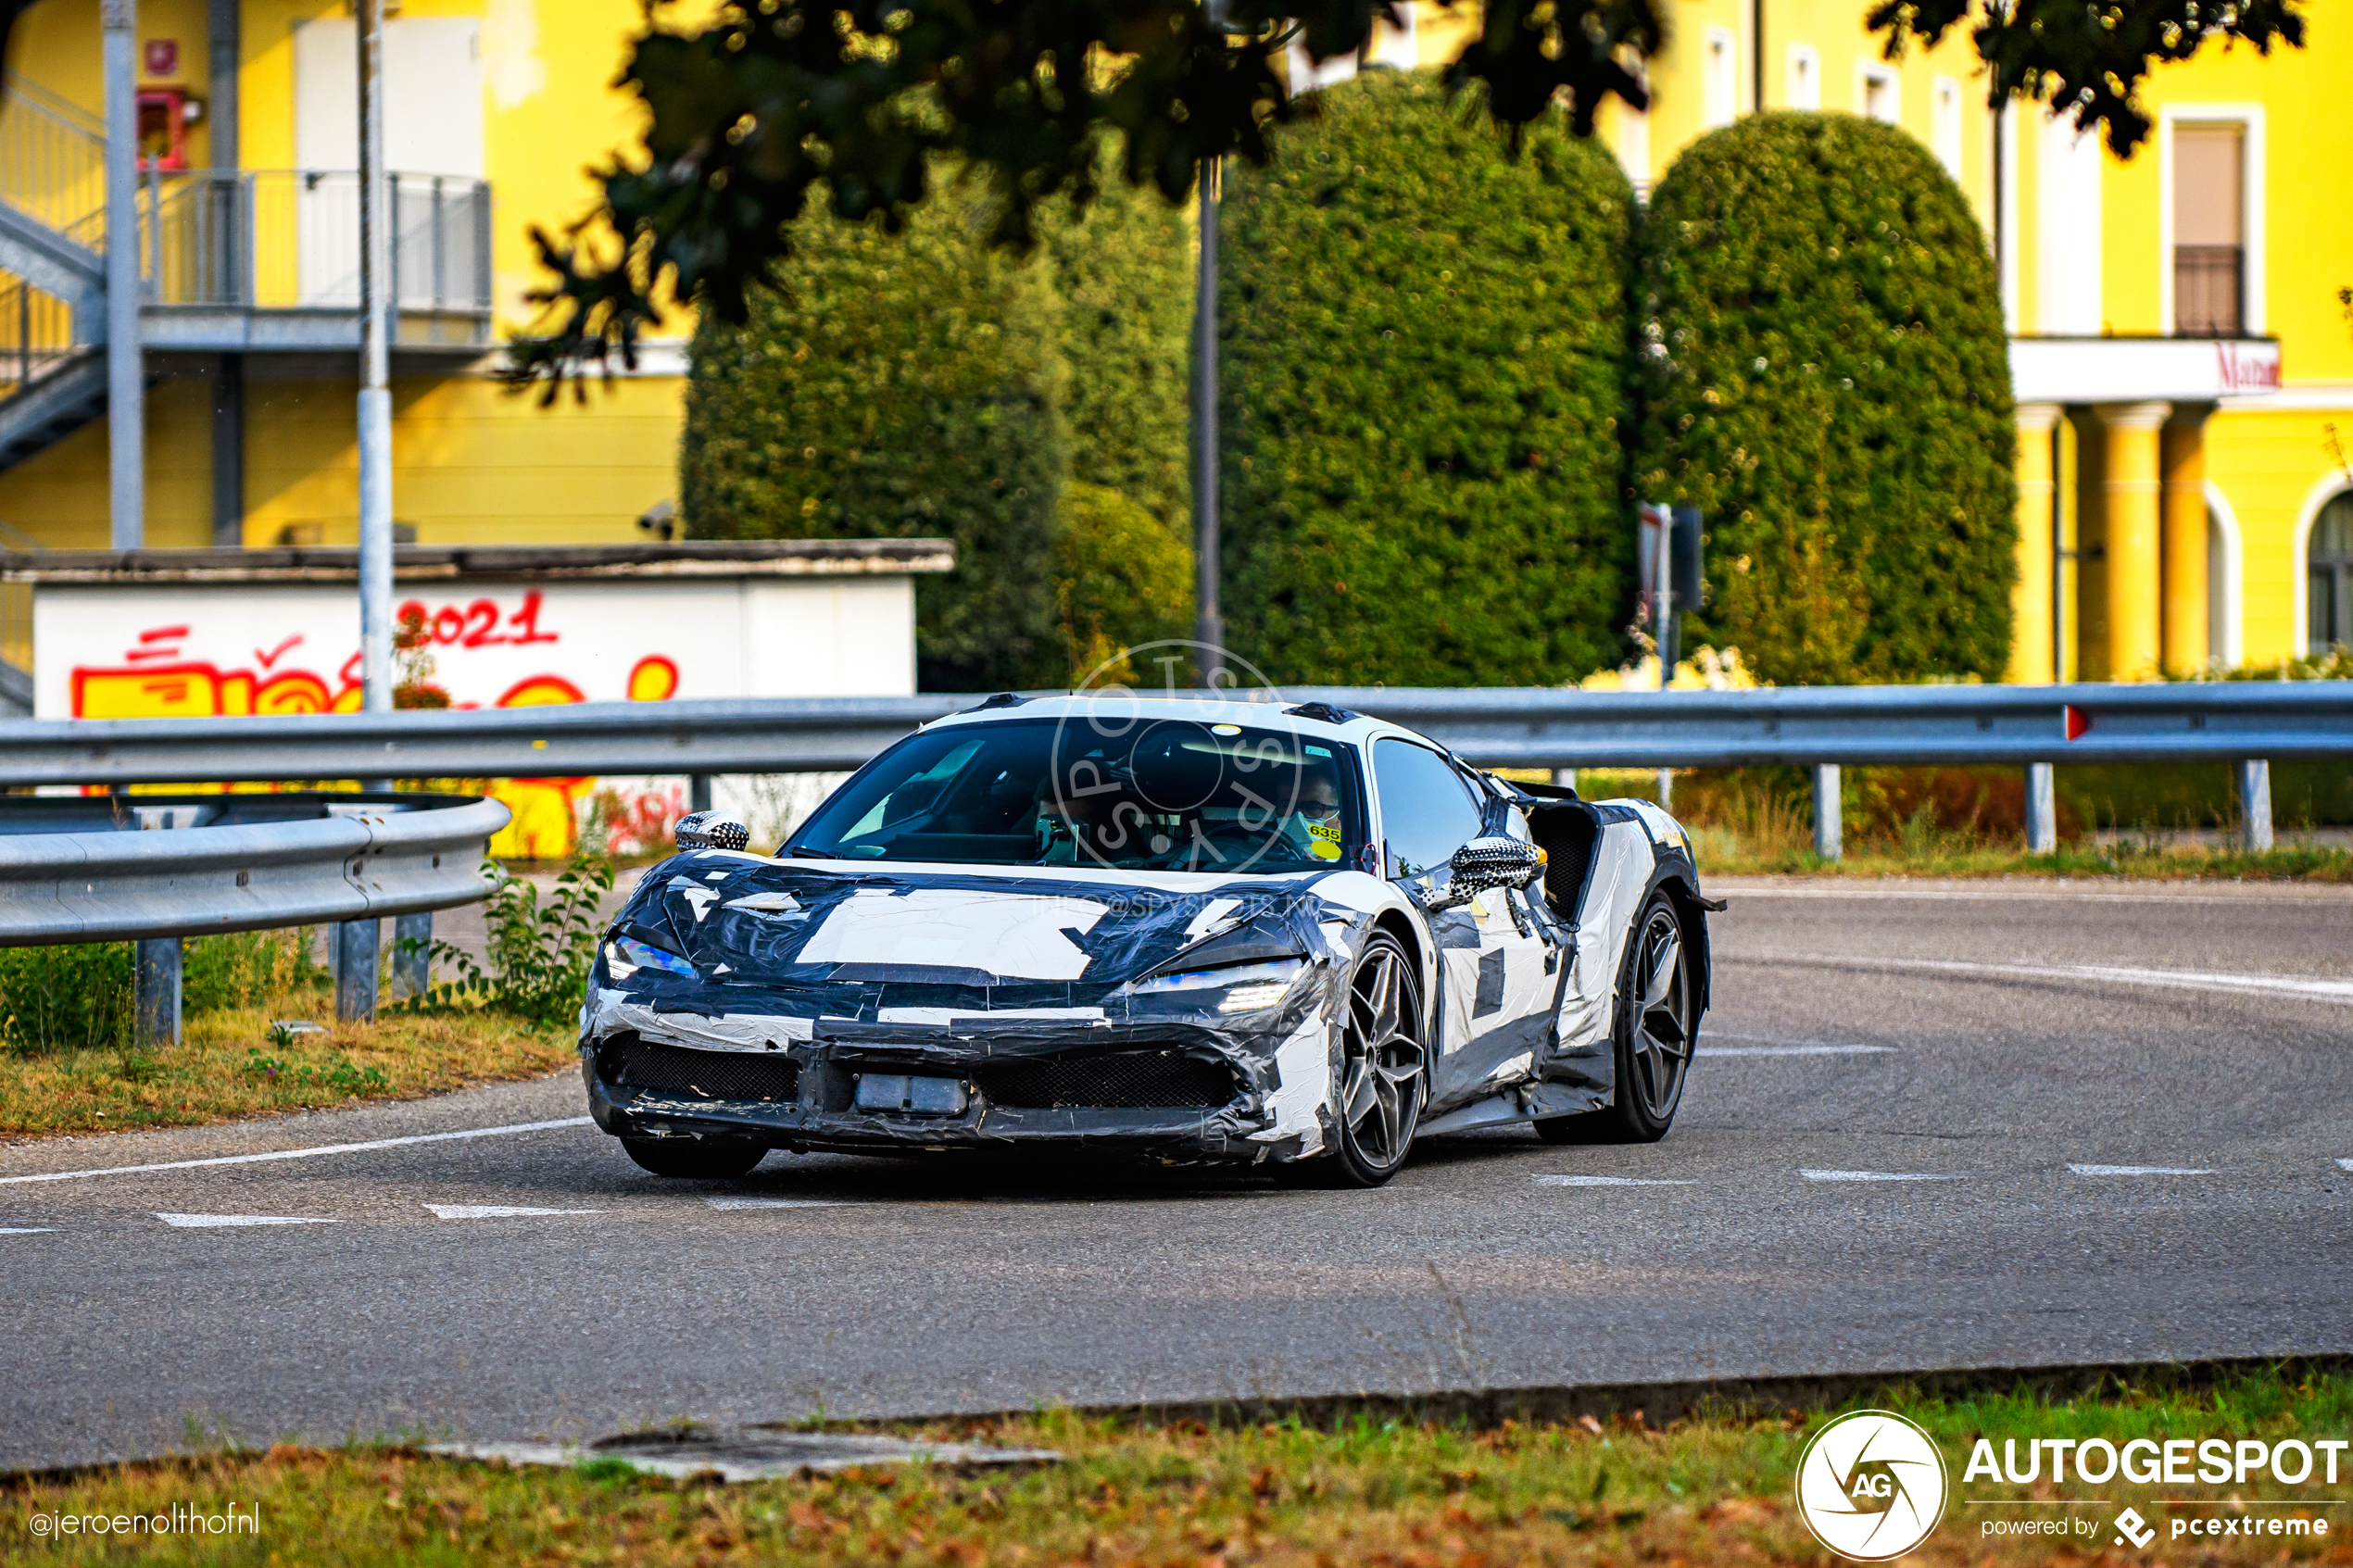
{"points": [[1427, 812]]}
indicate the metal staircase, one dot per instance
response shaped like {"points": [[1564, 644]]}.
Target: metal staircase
{"points": [[53, 373]]}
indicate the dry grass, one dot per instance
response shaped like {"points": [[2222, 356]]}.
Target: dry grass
{"points": [[227, 1066], [1395, 1493]]}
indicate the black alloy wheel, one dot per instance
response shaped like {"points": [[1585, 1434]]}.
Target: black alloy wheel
{"points": [[710, 1158], [1654, 1034], [1384, 1071]]}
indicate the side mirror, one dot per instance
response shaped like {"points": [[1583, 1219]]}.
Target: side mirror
{"points": [[1484, 863], [709, 829]]}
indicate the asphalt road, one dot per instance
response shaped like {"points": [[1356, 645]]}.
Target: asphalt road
{"points": [[1923, 1133]]}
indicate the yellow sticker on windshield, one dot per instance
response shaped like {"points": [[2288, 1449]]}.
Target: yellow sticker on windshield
{"points": [[1324, 830], [1323, 849]]}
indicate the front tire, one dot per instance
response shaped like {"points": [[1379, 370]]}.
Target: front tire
{"points": [[1657, 1028], [1384, 1072], [706, 1158]]}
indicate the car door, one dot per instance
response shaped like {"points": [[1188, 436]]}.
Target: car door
{"points": [[1496, 971]]}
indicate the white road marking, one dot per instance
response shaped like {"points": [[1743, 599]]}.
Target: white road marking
{"points": [[2339, 991], [215, 1222], [496, 1211], [774, 1202], [26, 1230], [1784, 1040], [2136, 1171], [1608, 1182], [304, 1153], [2308, 892], [2345, 1165], [1884, 1175]]}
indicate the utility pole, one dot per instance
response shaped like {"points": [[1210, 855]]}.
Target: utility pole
{"points": [[1209, 626], [375, 390], [126, 369]]}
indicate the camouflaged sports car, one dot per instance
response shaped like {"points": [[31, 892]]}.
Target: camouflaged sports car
{"points": [[1187, 929]]}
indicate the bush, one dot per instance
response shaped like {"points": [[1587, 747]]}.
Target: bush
{"points": [[1423, 342], [897, 387], [1121, 578], [1824, 371], [1123, 283]]}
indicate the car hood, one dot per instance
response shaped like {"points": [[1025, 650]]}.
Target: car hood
{"points": [[744, 919]]}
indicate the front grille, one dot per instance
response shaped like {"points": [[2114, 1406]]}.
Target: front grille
{"points": [[631, 1063], [1112, 1081]]}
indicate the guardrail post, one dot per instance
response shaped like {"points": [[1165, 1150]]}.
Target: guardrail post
{"points": [[1826, 815], [2255, 806], [154, 989], [411, 954], [698, 791], [1565, 778], [356, 945], [2042, 809]]}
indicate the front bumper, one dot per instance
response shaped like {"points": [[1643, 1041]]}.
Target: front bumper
{"points": [[803, 1098]]}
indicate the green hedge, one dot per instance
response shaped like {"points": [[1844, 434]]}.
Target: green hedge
{"points": [[1122, 579], [895, 387], [1423, 341], [1123, 279], [1823, 370]]}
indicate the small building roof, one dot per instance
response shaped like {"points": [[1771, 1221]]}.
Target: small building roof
{"points": [[692, 558]]}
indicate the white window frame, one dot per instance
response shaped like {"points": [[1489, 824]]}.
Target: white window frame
{"points": [[1947, 124], [1875, 73], [2324, 490], [1719, 78], [2226, 633], [2248, 118], [1804, 63]]}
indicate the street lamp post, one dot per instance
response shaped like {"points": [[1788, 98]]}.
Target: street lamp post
{"points": [[1209, 626]]}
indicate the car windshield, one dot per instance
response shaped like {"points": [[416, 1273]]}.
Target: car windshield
{"points": [[1131, 793]]}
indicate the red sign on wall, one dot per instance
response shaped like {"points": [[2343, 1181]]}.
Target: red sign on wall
{"points": [[163, 56]]}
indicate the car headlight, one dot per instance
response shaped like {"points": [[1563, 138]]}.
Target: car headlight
{"points": [[1249, 987], [624, 956]]}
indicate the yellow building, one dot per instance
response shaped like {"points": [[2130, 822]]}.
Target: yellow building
{"points": [[2183, 367], [2181, 364], [495, 111]]}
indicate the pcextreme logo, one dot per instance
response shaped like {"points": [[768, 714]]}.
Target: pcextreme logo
{"points": [[1871, 1486]]}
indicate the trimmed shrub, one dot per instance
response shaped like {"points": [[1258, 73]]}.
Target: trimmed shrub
{"points": [[1823, 370], [1123, 279], [898, 386], [1423, 342], [1121, 579]]}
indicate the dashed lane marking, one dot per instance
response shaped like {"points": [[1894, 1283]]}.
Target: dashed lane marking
{"points": [[304, 1153], [2282, 986], [1884, 1175], [220, 1222], [1774, 1045], [1608, 1181], [774, 1202], [497, 1210], [2345, 1165], [2136, 1171], [26, 1230]]}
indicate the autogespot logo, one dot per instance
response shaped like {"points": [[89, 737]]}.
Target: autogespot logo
{"points": [[1871, 1486]]}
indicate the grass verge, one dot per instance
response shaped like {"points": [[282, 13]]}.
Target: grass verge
{"points": [[228, 1066], [1414, 1494]]}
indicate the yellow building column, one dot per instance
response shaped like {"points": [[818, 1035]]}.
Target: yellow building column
{"points": [[2134, 570], [2184, 456], [2030, 631]]}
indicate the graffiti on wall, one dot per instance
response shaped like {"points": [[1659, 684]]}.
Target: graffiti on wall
{"points": [[235, 664]]}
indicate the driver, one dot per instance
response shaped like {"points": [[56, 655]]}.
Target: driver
{"points": [[1313, 828]]}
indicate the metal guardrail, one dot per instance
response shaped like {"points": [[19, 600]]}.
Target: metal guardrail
{"points": [[1519, 727], [81, 869]]}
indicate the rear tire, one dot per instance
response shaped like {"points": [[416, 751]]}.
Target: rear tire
{"points": [[1655, 1030], [709, 1158]]}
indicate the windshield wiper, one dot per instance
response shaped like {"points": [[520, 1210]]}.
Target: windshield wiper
{"points": [[802, 852]]}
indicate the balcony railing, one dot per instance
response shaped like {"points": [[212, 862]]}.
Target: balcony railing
{"points": [[2208, 290], [289, 239], [53, 160]]}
